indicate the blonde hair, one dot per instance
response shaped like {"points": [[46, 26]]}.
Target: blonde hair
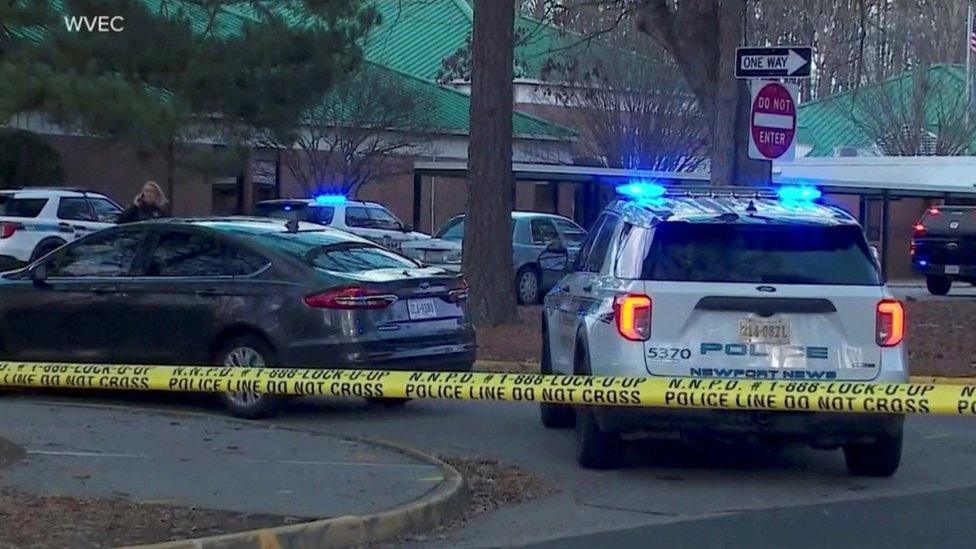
{"points": [[151, 185]]}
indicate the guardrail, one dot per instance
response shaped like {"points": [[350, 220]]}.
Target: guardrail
{"points": [[782, 395]]}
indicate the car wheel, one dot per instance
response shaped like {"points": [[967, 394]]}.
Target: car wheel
{"points": [[874, 459], [45, 248], [938, 285], [527, 286], [248, 352], [554, 416], [595, 449]]}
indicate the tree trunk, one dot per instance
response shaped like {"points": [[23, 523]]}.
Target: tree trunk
{"points": [[487, 260], [245, 199]]}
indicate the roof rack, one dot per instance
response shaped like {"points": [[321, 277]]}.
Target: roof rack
{"points": [[719, 192]]}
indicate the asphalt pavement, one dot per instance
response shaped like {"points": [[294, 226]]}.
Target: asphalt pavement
{"points": [[669, 494], [203, 461]]}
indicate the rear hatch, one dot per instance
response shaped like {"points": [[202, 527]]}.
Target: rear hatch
{"points": [[946, 236], [762, 301]]}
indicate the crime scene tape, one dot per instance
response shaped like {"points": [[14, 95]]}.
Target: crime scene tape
{"points": [[804, 396]]}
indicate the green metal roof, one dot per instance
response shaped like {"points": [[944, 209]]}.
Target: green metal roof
{"points": [[831, 122]]}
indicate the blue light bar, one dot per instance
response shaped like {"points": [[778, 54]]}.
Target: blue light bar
{"points": [[330, 199], [641, 190], [798, 194]]}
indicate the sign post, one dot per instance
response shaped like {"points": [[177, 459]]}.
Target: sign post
{"points": [[772, 121]]}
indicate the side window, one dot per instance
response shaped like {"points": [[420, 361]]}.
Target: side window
{"points": [[543, 231], [102, 255], [322, 215], [573, 234], [75, 209], [179, 254], [584, 253], [601, 245], [106, 211], [357, 217]]}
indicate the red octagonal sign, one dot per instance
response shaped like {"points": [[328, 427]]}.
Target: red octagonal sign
{"points": [[773, 122]]}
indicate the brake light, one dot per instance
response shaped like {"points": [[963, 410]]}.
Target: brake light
{"points": [[350, 297], [919, 229], [890, 323], [460, 293], [633, 316], [934, 211], [8, 228]]}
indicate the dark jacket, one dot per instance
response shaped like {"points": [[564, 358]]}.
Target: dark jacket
{"points": [[141, 212]]}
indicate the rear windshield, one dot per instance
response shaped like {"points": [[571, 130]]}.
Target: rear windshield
{"points": [[944, 219], [331, 252], [11, 206], [774, 253]]}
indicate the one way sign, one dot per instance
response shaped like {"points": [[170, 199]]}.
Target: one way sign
{"points": [[791, 62]]}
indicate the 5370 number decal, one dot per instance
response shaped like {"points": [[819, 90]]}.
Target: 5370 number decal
{"points": [[668, 354]]}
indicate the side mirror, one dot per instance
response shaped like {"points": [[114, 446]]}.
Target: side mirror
{"points": [[38, 274]]}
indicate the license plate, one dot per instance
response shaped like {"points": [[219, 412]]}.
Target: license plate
{"points": [[952, 269], [421, 309], [756, 330]]}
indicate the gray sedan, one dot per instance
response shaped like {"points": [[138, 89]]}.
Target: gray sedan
{"points": [[542, 244], [238, 292]]}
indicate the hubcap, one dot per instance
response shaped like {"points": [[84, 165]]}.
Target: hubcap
{"points": [[244, 357], [528, 287]]}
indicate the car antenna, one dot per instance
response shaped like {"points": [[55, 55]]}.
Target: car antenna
{"points": [[751, 208], [292, 225]]}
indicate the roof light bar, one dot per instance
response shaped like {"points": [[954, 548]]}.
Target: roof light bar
{"points": [[330, 199], [798, 194], [641, 190]]}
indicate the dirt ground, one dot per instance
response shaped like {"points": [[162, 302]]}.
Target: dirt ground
{"points": [[941, 338]]}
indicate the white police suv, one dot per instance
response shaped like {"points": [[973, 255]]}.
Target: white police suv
{"points": [[366, 219], [727, 284], [35, 221]]}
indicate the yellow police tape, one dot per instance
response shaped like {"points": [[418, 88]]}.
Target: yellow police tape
{"points": [[807, 396]]}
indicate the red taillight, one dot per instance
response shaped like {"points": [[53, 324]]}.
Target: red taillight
{"points": [[934, 211], [919, 229], [350, 297], [8, 228], [890, 323], [633, 315], [460, 292]]}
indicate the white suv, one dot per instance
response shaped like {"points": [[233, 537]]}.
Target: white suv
{"points": [[366, 219], [725, 284], [34, 222]]}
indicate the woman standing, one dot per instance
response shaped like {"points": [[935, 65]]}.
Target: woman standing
{"points": [[149, 204]]}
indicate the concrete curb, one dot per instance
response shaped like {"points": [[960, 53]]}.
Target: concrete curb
{"points": [[437, 507], [501, 366]]}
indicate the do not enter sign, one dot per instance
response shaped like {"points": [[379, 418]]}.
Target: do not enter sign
{"points": [[772, 121]]}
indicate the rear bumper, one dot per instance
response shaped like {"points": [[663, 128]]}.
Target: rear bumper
{"points": [[454, 356], [819, 428], [938, 269]]}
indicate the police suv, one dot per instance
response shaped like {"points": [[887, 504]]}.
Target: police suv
{"points": [[35, 221], [727, 284]]}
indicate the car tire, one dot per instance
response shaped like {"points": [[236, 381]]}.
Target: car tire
{"points": [[554, 416], [938, 285], [248, 351], [527, 282], [595, 449], [44, 248], [874, 459]]}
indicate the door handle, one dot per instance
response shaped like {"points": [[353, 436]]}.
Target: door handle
{"points": [[587, 288], [65, 228], [210, 292], [105, 290]]}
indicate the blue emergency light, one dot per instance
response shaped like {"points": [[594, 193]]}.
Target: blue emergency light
{"points": [[798, 194], [330, 199], [641, 190]]}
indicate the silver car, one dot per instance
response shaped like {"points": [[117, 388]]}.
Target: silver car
{"points": [[542, 245]]}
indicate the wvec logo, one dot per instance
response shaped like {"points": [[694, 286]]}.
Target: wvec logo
{"points": [[94, 23]]}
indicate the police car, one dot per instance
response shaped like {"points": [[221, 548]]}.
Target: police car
{"points": [[36, 221], [727, 284], [366, 219]]}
